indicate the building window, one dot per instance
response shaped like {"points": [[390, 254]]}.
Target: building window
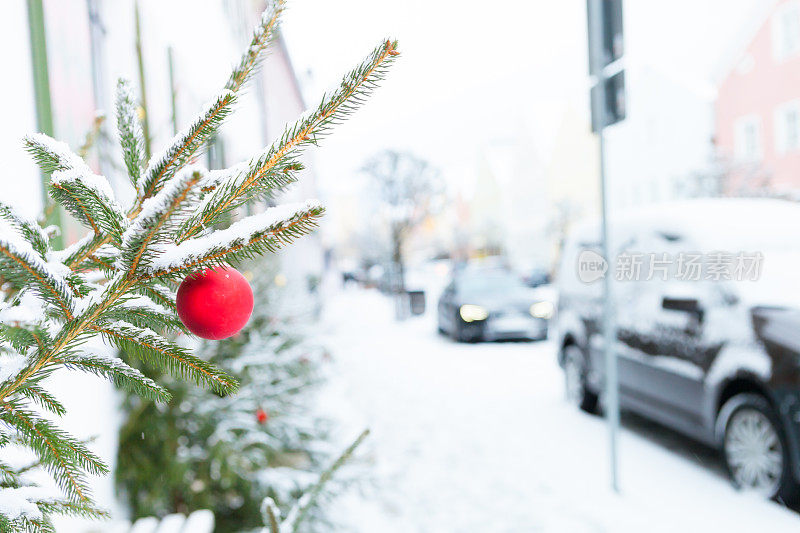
{"points": [[787, 127], [748, 139], [786, 31]]}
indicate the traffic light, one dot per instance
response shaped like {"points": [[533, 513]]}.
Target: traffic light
{"points": [[612, 38], [611, 48], [614, 100]]}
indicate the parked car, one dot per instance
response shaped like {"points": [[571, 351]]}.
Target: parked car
{"points": [[491, 304], [715, 359], [537, 277]]}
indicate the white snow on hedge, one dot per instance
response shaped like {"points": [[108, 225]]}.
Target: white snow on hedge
{"points": [[175, 256]]}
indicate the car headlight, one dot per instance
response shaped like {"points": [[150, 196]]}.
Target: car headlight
{"points": [[542, 310], [471, 313]]}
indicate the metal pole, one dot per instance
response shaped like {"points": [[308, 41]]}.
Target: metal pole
{"points": [[142, 80], [44, 110], [173, 90], [611, 399]]}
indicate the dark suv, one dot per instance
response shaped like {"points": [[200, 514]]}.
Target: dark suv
{"points": [[714, 356]]}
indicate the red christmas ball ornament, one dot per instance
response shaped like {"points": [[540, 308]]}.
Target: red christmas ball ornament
{"points": [[215, 303], [262, 416]]}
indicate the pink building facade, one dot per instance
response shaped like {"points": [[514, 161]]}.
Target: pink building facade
{"points": [[758, 107]]}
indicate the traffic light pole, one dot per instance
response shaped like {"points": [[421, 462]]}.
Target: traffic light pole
{"points": [[611, 395], [41, 91]]}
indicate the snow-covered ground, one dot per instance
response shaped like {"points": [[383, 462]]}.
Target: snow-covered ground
{"points": [[478, 438]]}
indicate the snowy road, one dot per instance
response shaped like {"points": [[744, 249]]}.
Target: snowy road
{"points": [[478, 438]]}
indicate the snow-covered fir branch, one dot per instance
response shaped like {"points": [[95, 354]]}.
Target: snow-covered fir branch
{"points": [[267, 230], [116, 282], [131, 137]]}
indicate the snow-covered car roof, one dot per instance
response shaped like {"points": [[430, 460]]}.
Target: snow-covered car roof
{"points": [[713, 223]]}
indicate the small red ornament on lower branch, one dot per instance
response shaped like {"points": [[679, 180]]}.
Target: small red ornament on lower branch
{"points": [[215, 303], [262, 416]]}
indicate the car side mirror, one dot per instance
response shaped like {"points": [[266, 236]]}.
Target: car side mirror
{"points": [[686, 305]]}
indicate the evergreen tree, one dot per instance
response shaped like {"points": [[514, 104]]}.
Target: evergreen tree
{"points": [[116, 282], [227, 453]]}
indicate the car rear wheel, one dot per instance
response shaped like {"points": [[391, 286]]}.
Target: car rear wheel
{"points": [[575, 380], [755, 449]]}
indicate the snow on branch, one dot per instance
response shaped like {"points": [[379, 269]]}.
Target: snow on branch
{"points": [[52, 155], [142, 311], [299, 510], [121, 374], [156, 350], [158, 216], [226, 185], [69, 170], [262, 36], [252, 235], [16, 503], [88, 196], [185, 144], [25, 269], [333, 109], [130, 131], [90, 199], [64, 456], [30, 230], [11, 364]]}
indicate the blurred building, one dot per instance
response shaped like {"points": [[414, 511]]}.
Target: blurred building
{"points": [[183, 68], [507, 210], [665, 137], [573, 184], [758, 104]]}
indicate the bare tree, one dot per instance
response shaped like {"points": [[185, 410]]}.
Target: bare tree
{"points": [[408, 189]]}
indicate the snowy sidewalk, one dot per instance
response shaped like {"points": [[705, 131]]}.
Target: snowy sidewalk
{"points": [[478, 438]]}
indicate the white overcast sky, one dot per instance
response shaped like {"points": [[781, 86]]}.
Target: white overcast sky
{"points": [[474, 73]]}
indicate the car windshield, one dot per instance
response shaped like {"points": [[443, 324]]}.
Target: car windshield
{"points": [[491, 283]]}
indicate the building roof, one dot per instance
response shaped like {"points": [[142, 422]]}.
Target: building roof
{"points": [[732, 55]]}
